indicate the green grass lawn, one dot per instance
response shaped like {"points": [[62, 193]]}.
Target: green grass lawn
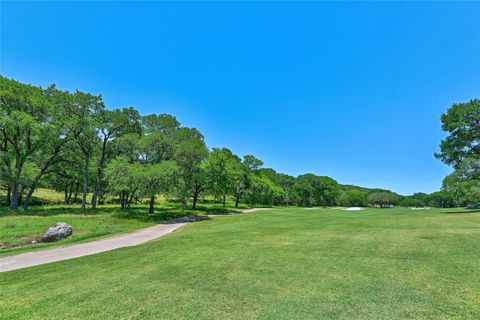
{"points": [[19, 229], [279, 264], [18, 232]]}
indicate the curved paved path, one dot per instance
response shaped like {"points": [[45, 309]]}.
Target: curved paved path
{"points": [[30, 259]]}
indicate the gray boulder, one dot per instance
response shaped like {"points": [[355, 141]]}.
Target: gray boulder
{"points": [[59, 231]]}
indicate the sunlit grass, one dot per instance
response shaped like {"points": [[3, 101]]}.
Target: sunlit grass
{"points": [[18, 229], [280, 264]]}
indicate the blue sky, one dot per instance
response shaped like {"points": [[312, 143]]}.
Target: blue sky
{"points": [[349, 90]]}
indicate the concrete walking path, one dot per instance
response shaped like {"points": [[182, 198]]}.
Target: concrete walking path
{"points": [[35, 258], [134, 238]]}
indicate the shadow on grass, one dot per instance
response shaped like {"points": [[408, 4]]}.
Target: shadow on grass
{"points": [[166, 213], [52, 210], [464, 211], [163, 212]]}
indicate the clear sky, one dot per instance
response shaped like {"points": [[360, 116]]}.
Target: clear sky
{"points": [[349, 90]]}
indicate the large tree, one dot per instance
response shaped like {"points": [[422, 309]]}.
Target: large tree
{"points": [[356, 198], [158, 178], [462, 123], [111, 124], [252, 163], [264, 191], [240, 177], [316, 190], [383, 199], [442, 199], [56, 138], [461, 149], [464, 182], [219, 172], [24, 114], [190, 151], [83, 129], [124, 179]]}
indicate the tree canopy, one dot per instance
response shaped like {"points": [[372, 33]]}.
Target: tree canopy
{"points": [[72, 142], [461, 149]]}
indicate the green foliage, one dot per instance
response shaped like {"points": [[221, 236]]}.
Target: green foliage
{"points": [[382, 199], [70, 142], [190, 151], [465, 191], [123, 176], [157, 178], [411, 202], [356, 198], [252, 162], [462, 123], [461, 149], [442, 199], [310, 189], [263, 191], [24, 121], [221, 171]]}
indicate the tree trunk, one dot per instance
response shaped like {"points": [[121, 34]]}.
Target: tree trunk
{"points": [[195, 198], [122, 199], [237, 199], [237, 195], [14, 198], [96, 187], [76, 192], [65, 198], [184, 199], [152, 202], [9, 194], [8, 169], [16, 185], [196, 194], [20, 193], [95, 191], [32, 189], [85, 184], [131, 198], [69, 197]]}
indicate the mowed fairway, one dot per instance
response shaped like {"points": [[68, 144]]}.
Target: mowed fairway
{"points": [[281, 264]]}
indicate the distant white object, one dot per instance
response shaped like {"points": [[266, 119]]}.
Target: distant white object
{"points": [[353, 209]]}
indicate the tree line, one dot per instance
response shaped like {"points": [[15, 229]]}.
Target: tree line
{"points": [[70, 142]]}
